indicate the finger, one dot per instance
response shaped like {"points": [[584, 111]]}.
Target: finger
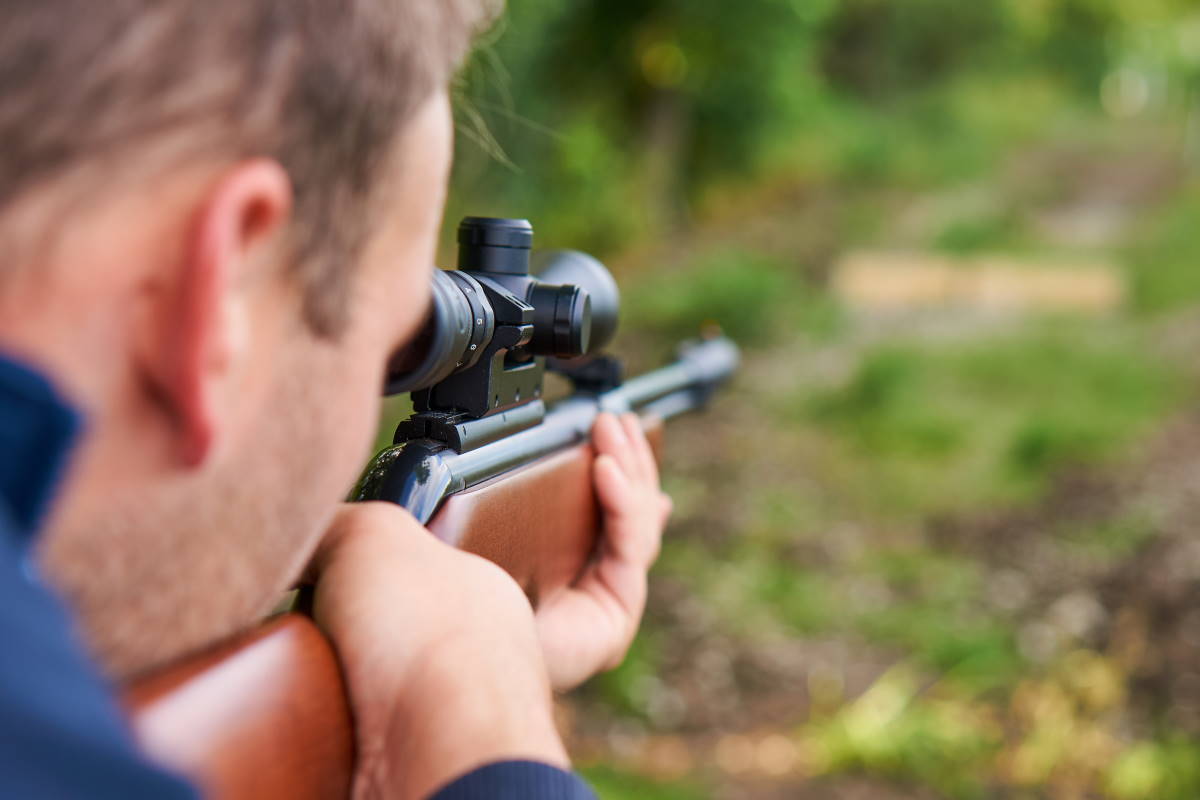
{"points": [[627, 538], [631, 535], [345, 525], [619, 587], [612, 487], [647, 468], [609, 437]]}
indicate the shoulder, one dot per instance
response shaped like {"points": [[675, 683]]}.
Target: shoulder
{"points": [[55, 708]]}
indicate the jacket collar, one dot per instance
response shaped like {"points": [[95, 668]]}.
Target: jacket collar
{"points": [[37, 429]]}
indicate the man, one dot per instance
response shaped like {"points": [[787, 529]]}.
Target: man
{"points": [[218, 221]]}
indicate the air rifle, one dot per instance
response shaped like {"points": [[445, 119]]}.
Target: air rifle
{"points": [[484, 462]]}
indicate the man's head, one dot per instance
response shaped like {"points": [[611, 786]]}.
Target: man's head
{"points": [[219, 220]]}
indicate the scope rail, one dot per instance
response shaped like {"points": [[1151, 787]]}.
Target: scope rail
{"points": [[422, 473]]}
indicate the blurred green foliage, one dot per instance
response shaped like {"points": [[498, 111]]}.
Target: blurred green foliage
{"points": [[624, 688], [940, 620], [948, 426], [1165, 259], [722, 156], [942, 744], [1059, 733], [1169, 770], [617, 117], [751, 297]]}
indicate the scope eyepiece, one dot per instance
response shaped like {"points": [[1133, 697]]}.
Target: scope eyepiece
{"points": [[459, 325], [571, 305]]}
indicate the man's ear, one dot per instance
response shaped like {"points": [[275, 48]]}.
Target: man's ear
{"points": [[235, 222]]}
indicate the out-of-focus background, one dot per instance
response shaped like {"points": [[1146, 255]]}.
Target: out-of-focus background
{"points": [[939, 539]]}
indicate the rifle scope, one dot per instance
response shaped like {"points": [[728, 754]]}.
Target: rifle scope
{"points": [[566, 306]]}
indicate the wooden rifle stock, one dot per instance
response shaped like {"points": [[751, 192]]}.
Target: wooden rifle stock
{"points": [[266, 716], [540, 522], [262, 716]]}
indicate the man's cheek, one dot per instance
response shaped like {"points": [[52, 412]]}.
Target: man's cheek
{"points": [[361, 402]]}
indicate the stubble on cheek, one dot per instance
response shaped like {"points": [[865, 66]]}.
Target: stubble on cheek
{"points": [[173, 568]]}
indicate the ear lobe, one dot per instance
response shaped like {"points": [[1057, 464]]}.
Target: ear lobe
{"points": [[235, 220]]}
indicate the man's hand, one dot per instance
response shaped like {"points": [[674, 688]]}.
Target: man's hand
{"points": [[439, 650], [588, 627]]}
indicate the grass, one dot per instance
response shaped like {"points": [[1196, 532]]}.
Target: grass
{"points": [[1164, 257], [1163, 770], [1050, 736], [987, 420], [623, 689], [978, 233], [893, 731], [939, 617], [1108, 539]]}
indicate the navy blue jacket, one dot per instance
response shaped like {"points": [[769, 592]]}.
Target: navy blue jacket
{"points": [[61, 732]]}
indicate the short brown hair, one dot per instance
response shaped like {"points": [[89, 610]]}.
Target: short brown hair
{"points": [[323, 86]]}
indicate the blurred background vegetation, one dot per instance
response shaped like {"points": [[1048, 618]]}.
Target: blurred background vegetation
{"points": [[939, 551]]}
